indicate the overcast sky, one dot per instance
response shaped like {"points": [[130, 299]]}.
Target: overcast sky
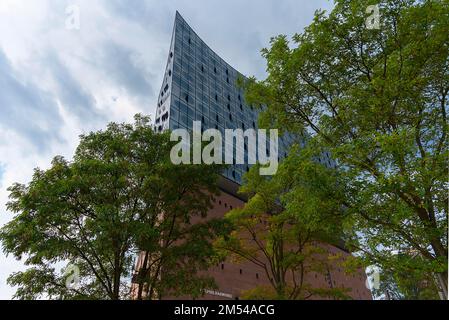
{"points": [[57, 82]]}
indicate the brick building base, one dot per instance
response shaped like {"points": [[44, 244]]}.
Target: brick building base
{"points": [[234, 278]]}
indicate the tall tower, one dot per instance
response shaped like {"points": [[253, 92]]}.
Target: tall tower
{"points": [[200, 86]]}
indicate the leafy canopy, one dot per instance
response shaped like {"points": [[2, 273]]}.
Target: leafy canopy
{"points": [[118, 197], [377, 99]]}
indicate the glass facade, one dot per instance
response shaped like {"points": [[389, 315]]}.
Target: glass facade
{"points": [[200, 86]]}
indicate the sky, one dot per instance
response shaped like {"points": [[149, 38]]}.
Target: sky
{"points": [[70, 67]]}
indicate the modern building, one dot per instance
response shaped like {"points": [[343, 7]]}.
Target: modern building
{"points": [[200, 86]]}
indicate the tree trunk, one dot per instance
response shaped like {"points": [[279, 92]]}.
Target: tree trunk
{"points": [[142, 273], [442, 284], [441, 276]]}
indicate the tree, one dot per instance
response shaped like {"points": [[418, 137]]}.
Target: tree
{"points": [[377, 100], [408, 283], [284, 225], [120, 195]]}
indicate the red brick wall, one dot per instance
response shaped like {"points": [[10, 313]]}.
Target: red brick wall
{"points": [[232, 278]]}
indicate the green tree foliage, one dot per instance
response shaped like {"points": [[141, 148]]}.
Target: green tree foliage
{"points": [[119, 196], [283, 226], [377, 100], [407, 283]]}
